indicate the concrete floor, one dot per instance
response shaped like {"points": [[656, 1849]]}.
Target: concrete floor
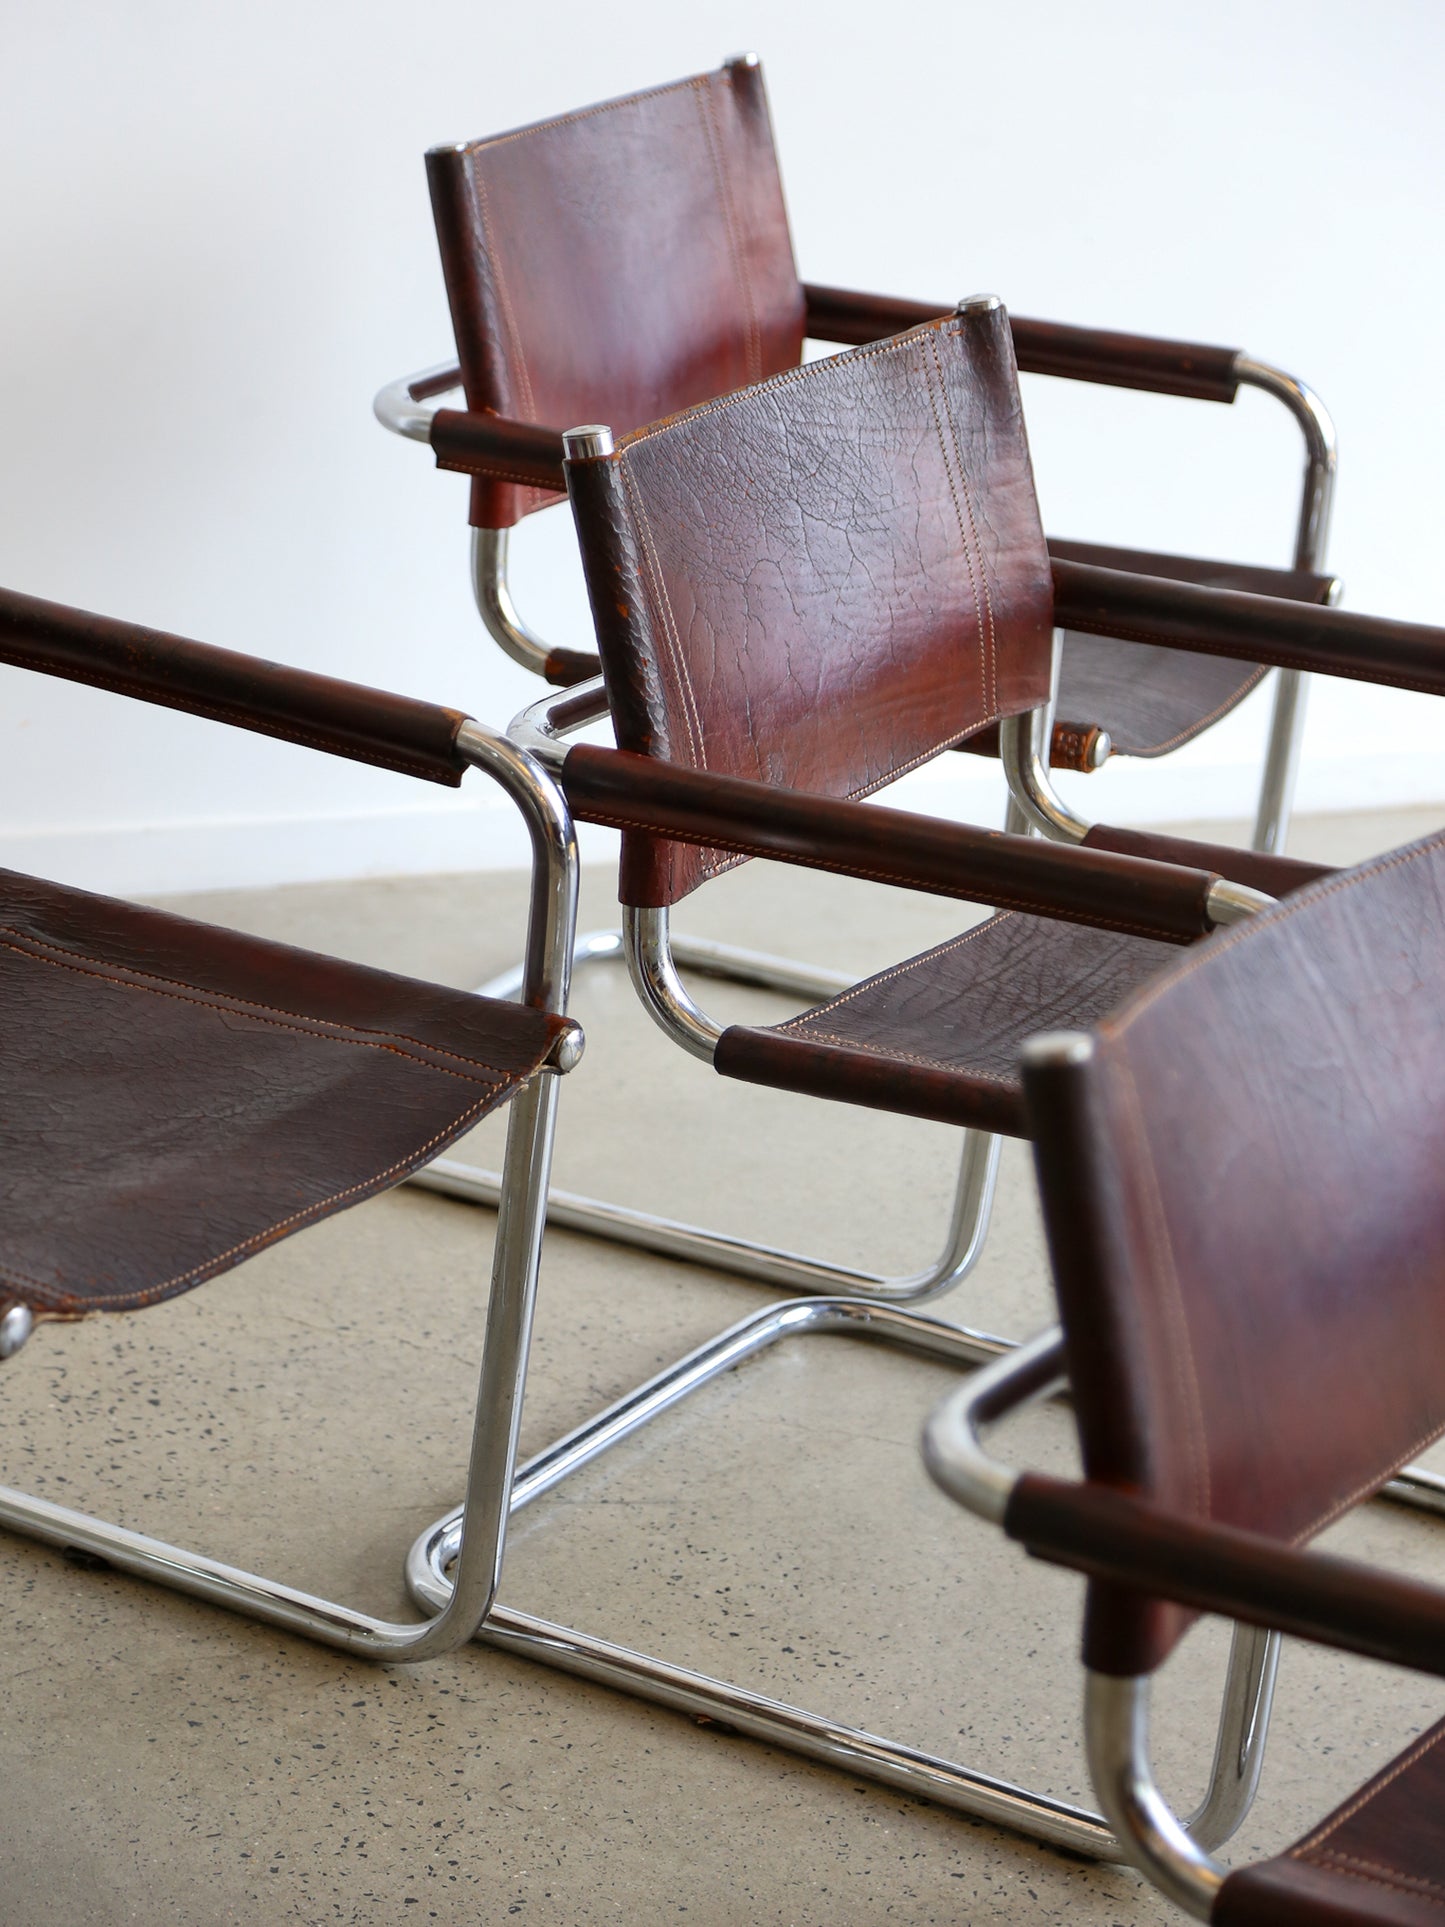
{"points": [[162, 1761]]}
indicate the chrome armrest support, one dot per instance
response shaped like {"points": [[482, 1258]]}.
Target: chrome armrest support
{"points": [[650, 965], [1022, 741], [1116, 1735], [952, 1439], [540, 728], [398, 405], [1321, 452]]}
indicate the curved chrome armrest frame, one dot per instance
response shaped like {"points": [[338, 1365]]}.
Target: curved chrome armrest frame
{"points": [[399, 406]]}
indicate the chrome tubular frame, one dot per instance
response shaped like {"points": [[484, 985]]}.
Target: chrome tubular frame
{"points": [[1286, 730], [492, 1457], [958, 1463], [652, 954], [1116, 1734], [891, 1763]]}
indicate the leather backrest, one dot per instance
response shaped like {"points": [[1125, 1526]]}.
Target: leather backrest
{"points": [[619, 263], [1242, 1190], [823, 581]]}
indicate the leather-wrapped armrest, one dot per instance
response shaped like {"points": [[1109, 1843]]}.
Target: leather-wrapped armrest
{"points": [[1064, 882], [322, 712], [1128, 1541], [497, 448], [1042, 347], [1254, 628]]}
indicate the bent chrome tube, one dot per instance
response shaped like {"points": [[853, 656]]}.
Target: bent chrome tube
{"points": [[493, 1450], [1286, 730], [1116, 1732], [16, 1324], [399, 407]]}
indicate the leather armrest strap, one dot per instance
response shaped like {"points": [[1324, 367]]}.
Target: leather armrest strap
{"points": [[1042, 347], [632, 792], [502, 450], [1276, 876], [322, 712], [1253, 628], [1244, 1575]]}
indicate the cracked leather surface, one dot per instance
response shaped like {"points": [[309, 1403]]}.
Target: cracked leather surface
{"points": [[1377, 1861], [939, 1036], [1247, 1226], [617, 264], [823, 581], [175, 1096]]}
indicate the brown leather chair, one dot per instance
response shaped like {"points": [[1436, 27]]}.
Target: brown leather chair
{"points": [[1242, 1165], [632, 259], [176, 1097], [801, 591]]}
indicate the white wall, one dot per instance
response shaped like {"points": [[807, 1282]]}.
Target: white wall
{"points": [[216, 245]]}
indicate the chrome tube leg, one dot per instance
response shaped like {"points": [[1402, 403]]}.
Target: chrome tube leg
{"points": [[1116, 1732], [770, 1265], [1281, 762], [1239, 1747]]}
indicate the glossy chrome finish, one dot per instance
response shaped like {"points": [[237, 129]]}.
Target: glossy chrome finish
{"points": [[1023, 750], [764, 1264], [16, 1324], [1416, 1487], [398, 406], [1227, 902], [952, 1439], [587, 443], [928, 1776], [1116, 1731], [495, 605], [1239, 1747], [492, 1456], [1286, 731], [663, 993], [978, 304], [742, 60]]}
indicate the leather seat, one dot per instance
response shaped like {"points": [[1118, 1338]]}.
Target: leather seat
{"points": [[142, 1054], [939, 1036]]}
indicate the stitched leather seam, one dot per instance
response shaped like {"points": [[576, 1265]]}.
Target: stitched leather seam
{"points": [[963, 541], [1280, 912], [1379, 1875], [490, 1075], [261, 1238], [991, 646], [910, 1057], [529, 406], [462, 465], [1185, 735], [1183, 1366], [232, 714], [712, 137], [1027, 906], [586, 113], [1283, 660], [662, 603], [1422, 1746], [898, 970], [899, 345], [229, 999]]}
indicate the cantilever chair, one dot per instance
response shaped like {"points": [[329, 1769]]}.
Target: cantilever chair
{"points": [[800, 591], [1241, 1166], [177, 1097], [632, 259]]}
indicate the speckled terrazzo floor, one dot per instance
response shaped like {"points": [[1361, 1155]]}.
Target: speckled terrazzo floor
{"points": [[161, 1761]]}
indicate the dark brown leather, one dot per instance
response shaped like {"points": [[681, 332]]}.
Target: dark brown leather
{"points": [[502, 450], [564, 668], [174, 1097], [1377, 1861], [888, 846], [939, 1036], [821, 582], [1042, 347], [1150, 700], [343, 718], [1277, 876], [1246, 1576], [1181, 615], [1241, 1191], [617, 264]]}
